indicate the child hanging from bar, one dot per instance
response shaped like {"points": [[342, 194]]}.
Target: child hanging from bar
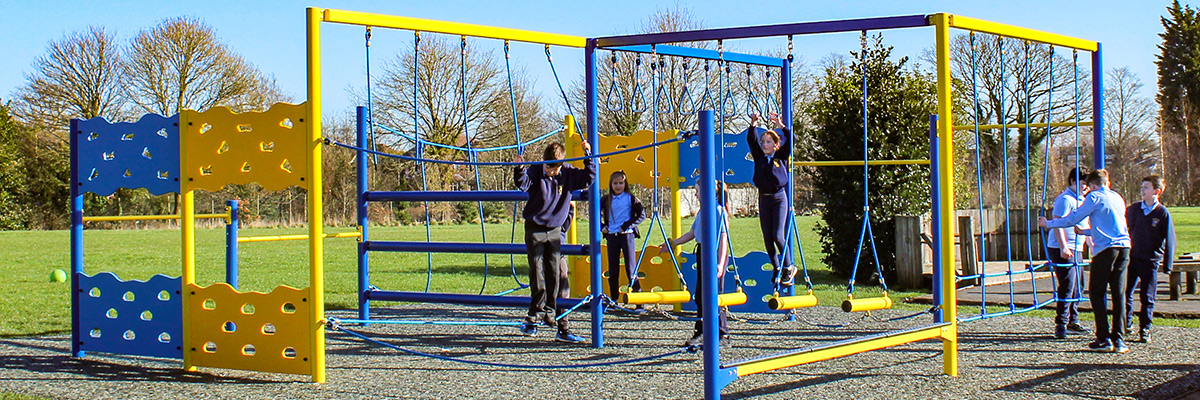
{"points": [[1105, 210], [549, 187], [1152, 233], [620, 214], [772, 151], [722, 258]]}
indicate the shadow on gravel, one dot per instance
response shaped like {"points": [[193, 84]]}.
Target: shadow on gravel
{"points": [[105, 371], [1104, 381]]}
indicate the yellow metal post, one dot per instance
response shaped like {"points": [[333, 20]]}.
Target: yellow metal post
{"points": [[187, 229], [945, 102], [316, 286]]}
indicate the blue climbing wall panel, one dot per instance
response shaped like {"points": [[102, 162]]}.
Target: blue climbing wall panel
{"points": [[736, 163], [130, 317], [755, 271], [142, 154]]}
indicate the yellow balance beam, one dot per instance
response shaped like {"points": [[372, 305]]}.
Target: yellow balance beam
{"points": [[99, 218], [663, 297], [840, 349], [453, 28], [252, 239], [1012, 31], [1021, 125], [792, 302], [867, 304], [853, 163]]}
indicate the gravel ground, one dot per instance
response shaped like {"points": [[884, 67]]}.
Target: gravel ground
{"points": [[1001, 358]]}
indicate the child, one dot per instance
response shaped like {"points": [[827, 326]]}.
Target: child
{"points": [[1111, 237], [772, 152], [620, 214], [722, 258], [549, 187], [1064, 248], [1153, 241]]}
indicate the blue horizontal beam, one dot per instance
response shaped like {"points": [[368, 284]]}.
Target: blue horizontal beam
{"points": [[466, 299], [704, 54], [802, 28], [459, 195], [474, 248]]}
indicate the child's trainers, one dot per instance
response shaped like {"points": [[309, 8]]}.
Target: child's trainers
{"points": [[789, 276], [528, 329], [568, 337], [1075, 329], [1101, 346], [1120, 347]]}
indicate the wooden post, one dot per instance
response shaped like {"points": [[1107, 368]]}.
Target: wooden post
{"points": [[966, 240], [909, 263]]}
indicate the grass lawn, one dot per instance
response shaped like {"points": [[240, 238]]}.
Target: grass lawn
{"points": [[30, 305]]}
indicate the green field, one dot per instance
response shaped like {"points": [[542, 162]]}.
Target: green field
{"points": [[30, 305]]}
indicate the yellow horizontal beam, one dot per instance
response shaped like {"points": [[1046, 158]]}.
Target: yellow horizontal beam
{"points": [[453, 28], [839, 351], [250, 239], [99, 218], [1021, 125], [851, 163], [1012, 31]]}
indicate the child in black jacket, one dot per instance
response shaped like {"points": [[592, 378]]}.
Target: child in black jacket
{"points": [[772, 153], [1152, 237], [620, 214]]}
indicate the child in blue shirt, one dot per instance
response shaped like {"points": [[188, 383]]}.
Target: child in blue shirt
{"points": [[722, 257], [1110, 235], [620, 214], [1064, 248], [1153, 243], [772, 152]]}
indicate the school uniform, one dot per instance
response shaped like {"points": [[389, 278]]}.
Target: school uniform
{"points": [[621, 214], [1066, 276], [1152, 234], [1110, 237], [723, 324], [545, 214], [771, 177]]}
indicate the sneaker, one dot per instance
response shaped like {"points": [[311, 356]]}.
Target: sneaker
{"points": [[1144, 336], [529, 329], [1060, 333], [1101, 346], [789, 276], [1075, 329], [568, 337], [696, 340], [1120, 347]]}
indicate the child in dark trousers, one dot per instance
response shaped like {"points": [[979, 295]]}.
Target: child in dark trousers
{"points": [[1103, 207], [722, 257], [772, 152], [549, 187], [620, 214], [1152, 234], [1064, 249]]}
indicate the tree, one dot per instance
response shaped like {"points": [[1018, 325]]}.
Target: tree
{"points": [[13, 189], [79, 77], [1179, 103], [181, 64], [900, 102], [1130, 144]]}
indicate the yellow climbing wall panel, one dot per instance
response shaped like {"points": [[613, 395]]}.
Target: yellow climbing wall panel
{"points": [[219, 147], [638, 165], [251, 331], [656, 270]]}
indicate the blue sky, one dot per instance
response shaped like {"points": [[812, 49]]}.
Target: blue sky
{"points": [[271, 34]]}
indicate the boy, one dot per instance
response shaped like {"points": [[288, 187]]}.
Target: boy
{"points": [[1111, 246], [549, 186], [1153, 241], [1064, 247]]}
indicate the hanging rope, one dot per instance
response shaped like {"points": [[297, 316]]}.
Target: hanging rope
{"points": [[512, 99], [662, 96], [563, 93], [471, 155], [370, 104], [335, 142], [866, 229], [728, 103], [613, 89], [752, 104], [420, 154], [686, 96], [1004, 144], [638, 93]]}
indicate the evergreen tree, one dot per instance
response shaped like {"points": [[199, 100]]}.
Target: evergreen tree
{"points": [[1179, 102]]}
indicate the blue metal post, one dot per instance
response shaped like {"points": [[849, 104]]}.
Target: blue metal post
{"points": [[76, 240], [708, 247], [364, 277], [785, 109], [593, 137], [935, 211], [231, 245], [1098, 108]]}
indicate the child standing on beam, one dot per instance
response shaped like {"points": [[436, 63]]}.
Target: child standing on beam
{"points": [[620, 214], [1153, 243], [772, 152], [549, 187], [1110, 234], [722, 257]]}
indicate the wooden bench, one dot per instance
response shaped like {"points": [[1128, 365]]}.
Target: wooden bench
{"points": [[1187, 263]]}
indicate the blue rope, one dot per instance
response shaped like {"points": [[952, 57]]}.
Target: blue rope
{"points": [[471, 155], [706, 98], [752, 104], [1004, 144], [1028, 178], [519, 145], [512, 99], [866, 231], [1046, 163], [979, 170], [570, 110], [337, 328], [420, 153], [686, 94], [370, 104], [638, 93], [613, 89], [728, 97], [335, 142], [662, 92]]}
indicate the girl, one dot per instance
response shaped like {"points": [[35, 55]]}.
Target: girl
{"points": [[771, 152], [620, 214], [722, 258]]}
